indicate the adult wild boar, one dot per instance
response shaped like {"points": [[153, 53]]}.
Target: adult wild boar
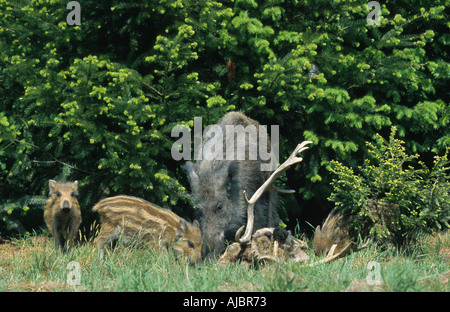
{"points": [[217, 183]]}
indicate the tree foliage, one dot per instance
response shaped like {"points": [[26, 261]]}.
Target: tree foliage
{"points": [[96, 102]]}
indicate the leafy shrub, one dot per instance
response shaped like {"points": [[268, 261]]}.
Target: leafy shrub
{"points": [[393, 196]]}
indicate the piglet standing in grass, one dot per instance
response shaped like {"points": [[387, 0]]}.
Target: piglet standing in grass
{"points": [[62, 213], [135, 220]]}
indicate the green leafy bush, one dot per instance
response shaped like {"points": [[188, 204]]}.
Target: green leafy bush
{"points": [[393, 196]]}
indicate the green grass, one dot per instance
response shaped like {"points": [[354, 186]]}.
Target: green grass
{"points": [[32, 264]]}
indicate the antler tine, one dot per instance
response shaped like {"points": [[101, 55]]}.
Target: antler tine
{"points": [[238, 233], [331, 251], [276, 189], [300, 148], [364, 246], [331, 256], [293, 159]]}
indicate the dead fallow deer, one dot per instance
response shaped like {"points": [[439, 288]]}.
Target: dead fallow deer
{"points": [[267, 244], [246, 239]]}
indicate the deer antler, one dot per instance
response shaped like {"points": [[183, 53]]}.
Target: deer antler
{"points": [[331, 256], [268, 186]]}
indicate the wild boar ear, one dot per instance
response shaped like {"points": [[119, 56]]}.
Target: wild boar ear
{"points": [[51, 186], [196, 224], [181, 228], [76, 184], [317, 229], [191, 169]]}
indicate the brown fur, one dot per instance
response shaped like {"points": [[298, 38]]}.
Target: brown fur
{"points": [[136, 220], [334, 231], [62, 212]]}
